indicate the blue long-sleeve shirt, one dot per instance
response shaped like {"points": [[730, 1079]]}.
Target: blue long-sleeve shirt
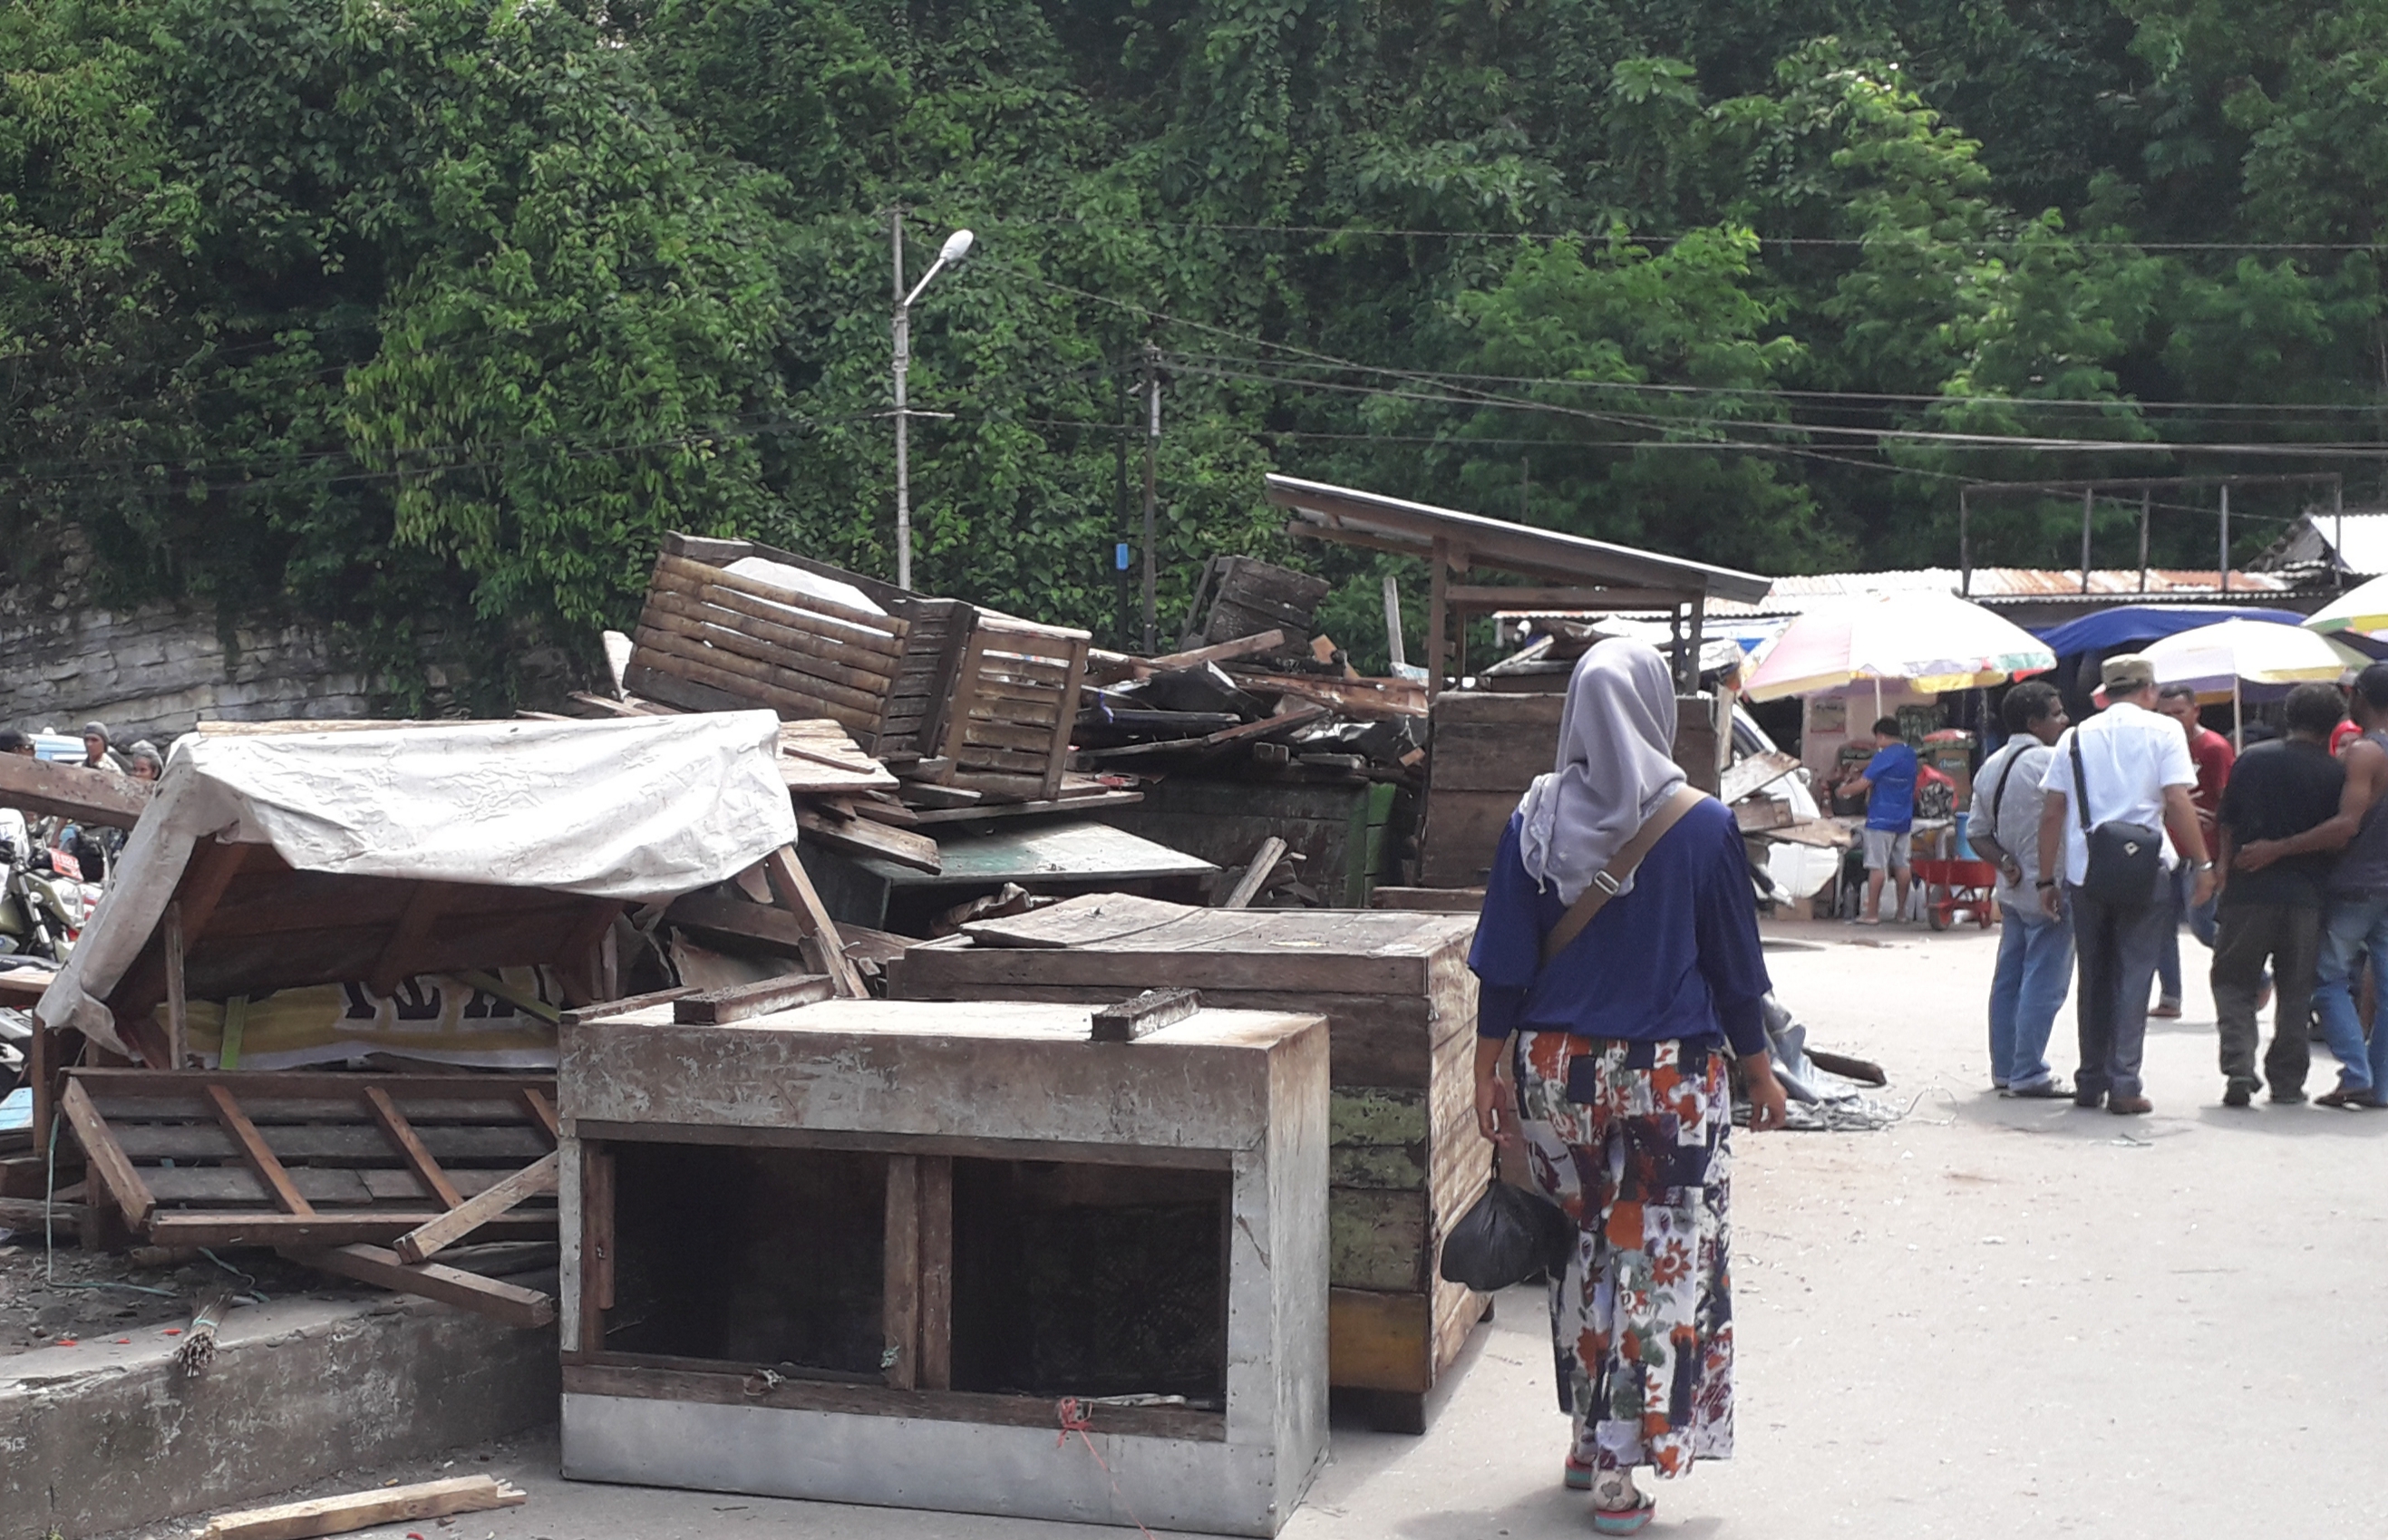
{"points": [[1676, 959]]}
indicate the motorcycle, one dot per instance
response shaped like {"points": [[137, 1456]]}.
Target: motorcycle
{"points": [[44, 902]]}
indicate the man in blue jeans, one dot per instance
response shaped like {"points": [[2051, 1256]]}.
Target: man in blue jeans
{"points": [[2035, 965], [2354, 919]]}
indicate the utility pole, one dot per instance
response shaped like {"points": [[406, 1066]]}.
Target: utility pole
{"points": [[1151, 511], [902, 419], [1119, 500]]}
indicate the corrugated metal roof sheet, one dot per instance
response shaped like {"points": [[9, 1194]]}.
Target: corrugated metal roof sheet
{"points": [[2356, 543], [1992, 586]]}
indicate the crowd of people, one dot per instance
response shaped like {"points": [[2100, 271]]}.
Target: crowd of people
{"points": [[2111, 834]]}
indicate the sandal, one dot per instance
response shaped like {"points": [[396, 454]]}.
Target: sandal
{"points": [[1618, 1507]]}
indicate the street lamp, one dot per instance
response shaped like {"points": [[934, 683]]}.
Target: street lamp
{"points": [[956, 246]]}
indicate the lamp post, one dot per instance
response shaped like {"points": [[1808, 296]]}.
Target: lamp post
{"points": [[956, 246]]}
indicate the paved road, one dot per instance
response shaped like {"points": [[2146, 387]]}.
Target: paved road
{"points": [[1996, 1317]]}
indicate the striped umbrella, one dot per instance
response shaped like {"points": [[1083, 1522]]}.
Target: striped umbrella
{"points": [[1930, 642], [2218, 659]]}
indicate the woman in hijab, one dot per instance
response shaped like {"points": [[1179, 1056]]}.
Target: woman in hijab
{"points": [[1615, 1051]]}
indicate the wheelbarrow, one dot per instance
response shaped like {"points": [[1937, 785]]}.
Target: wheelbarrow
{"points": [[1953, 887]]}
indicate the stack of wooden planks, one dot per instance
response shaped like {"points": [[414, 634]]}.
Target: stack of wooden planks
{"points": [[1405, 1160]]}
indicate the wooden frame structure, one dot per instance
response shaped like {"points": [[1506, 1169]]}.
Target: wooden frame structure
{"points": [[1233, 1102], [1584, 575]]}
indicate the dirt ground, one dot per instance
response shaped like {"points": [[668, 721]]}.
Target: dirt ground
{"points": [[72, 1296], [1997, 1316]]}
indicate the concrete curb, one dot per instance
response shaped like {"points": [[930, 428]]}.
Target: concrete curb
{"points": [[103, 1436]]}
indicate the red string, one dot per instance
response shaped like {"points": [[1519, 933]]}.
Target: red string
{"points": [[1076, 1421]]}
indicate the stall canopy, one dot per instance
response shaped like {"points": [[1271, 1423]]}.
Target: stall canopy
{"points": [[372, 855], [2110, 630], [1587, 576]]}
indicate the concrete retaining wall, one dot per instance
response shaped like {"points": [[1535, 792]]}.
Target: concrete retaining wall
{"points": [[101, 1437]]}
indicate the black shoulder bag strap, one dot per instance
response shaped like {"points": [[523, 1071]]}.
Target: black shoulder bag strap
{"points": [[2080, 781]]}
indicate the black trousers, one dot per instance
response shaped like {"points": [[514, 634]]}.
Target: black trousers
{"points": [[2116, 946], [2246, 938]]}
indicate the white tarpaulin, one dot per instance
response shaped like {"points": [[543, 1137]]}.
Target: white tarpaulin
{"points": [[633, 808]]}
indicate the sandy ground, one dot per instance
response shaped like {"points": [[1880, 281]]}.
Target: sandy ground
{"points": [[1997, 1316]]}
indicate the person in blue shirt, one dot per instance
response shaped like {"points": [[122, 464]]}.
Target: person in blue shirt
{"points": [[1615, 1050], [1888, 783]]}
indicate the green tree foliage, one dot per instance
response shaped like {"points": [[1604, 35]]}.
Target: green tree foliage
{"points": [[438, 312]]}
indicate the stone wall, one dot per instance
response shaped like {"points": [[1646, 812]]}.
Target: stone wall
{"points": [[154, 670]]}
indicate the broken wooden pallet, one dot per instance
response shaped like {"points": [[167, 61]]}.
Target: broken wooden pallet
{"points": [[308, 1160]]}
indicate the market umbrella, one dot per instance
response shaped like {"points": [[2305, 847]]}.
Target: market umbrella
{"points": [[2215, 659], [1931, 641], [2363, 609]]}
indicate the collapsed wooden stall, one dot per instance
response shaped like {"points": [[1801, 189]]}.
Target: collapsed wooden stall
{"points": [[1405, 1160]]}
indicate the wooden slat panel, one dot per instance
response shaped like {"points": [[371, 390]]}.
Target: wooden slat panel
{"points": [[356, 1145], [696, 577], [867, 651], [332, 1186], [828, 661], [789, 680]]}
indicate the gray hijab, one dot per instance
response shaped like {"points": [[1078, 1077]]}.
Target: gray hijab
{"points": [[1615, 766]]}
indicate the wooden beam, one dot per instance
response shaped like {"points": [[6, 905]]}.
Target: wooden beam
{"points": [[105, 1157], [385, 1505], [1248, 887], [43, 786], [867, 836], [766, 923], [542, 1112], [596, 1244], [793, 889], [205, 877], [526, 1309], [605, 1010], [409, 1144], [335, 1227], [1479, 598], [425, 1240], [745, 1001], [1145, 1015], [254, 1151], [424, 904], [178, 1004], [936, 1248], [900, 1270], [1438, 617]]}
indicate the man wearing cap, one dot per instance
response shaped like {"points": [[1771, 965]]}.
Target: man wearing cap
{"points": [[2135, 768], [96, 755]]}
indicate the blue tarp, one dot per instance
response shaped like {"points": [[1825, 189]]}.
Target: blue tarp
{"points": [[2145, 623]]}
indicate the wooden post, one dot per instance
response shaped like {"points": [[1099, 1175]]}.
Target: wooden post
{"points": [[2143, 539], [2089, 506], [178, 1006], [900, 1274], [1437, 616], [596, 1244], [936, 1360]]}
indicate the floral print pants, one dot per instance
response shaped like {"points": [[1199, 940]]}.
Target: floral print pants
{"points": [[1642, 1320]]}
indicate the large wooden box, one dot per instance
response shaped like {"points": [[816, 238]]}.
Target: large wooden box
{"points": [[864, 1251], [1407, 1160], [1349, 836]]}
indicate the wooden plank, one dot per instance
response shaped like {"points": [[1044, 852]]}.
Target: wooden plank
{"points": [[867, 837], [1065, 803], [31, 1214], [386, 1504], [1753, 773], [936, 1246], [1481, 599], [624, 1006], [755, 922], [1377, 1240], [517, 1307], [835, 696], [356, 1144], [409, 1145], [542, 1114], [793, 889], [1439, 901], [43, 787], [1217, 652], [178, 1000], [780, 638], [1261, 866], [735, 1385], [536, 1180], [1057, 748], [322, 1228], [184, 1188], [1089, 919], [425, 903], [596, 1244], [1379, 1340], [259, 1089], [103, 1154], [745, 1001], [1145, 1015], [254, 1151], [900, 1274], [1361, 700]]}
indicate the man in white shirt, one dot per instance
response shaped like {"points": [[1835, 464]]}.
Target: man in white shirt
{"points": [[2035, 965], [2138, 771]]}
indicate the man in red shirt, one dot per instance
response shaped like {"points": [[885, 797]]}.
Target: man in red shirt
{"points": [[2213, 755]]}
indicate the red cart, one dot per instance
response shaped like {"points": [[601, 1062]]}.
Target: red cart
{"points": [[1951, 888]]}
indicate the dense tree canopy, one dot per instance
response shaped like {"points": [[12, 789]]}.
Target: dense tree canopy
{"points": [[396, 313]]}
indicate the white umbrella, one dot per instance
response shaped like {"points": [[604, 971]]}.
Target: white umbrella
{"points": [[2363, 609], [1930, 641], [2213, 659]]}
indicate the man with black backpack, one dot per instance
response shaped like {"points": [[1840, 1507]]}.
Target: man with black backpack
{"points": [[2118, 785]]}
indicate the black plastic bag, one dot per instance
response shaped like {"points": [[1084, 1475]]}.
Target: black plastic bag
{"points": [[1509, 1236]]}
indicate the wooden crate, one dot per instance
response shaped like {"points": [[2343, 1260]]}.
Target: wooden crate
{"points": [[710, 638], [1014, 702], [1487, 747], [1405, 1160], [1248, 597], [1349, 836]]}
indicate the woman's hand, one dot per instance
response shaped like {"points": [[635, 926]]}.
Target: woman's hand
{"points": [[1769, 1108], [1497, 1109]]}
